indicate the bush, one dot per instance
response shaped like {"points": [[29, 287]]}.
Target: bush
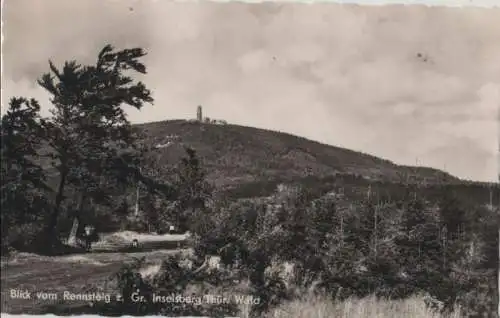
{"points": [[173, 278], [136, 224], [25, 237]]}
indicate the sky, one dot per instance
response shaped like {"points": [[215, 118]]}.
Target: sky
{"points": [[408, 83]]}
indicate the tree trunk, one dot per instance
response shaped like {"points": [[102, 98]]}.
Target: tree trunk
{"points": [[136, 212], [52, 225], [74, 228], [72, 234]]}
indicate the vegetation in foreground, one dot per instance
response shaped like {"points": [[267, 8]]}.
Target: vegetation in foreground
{"points": [[338, 245], [369, 307]]}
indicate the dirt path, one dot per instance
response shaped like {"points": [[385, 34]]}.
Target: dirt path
{"points": [[73, 273]]}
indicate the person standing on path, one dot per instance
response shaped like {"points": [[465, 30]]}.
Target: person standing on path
{"points": [[89, 233]]}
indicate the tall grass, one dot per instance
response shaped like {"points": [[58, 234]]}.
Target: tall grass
{"points": [[369, 307]]}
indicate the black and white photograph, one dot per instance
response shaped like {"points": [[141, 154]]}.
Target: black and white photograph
{"points": [[267, 159]]}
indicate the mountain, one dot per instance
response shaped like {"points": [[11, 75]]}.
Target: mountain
{"points": [[246, 162], [250, 163], [235, 155]]}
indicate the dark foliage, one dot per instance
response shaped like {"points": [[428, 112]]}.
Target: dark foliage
{"points": [[24, 194], [359, 248]]}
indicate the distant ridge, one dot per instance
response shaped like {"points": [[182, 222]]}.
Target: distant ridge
{"points": [[235, 154]]}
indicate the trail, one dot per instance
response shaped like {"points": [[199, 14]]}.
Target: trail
{"points": [[74, 273], [26, 265], [82, 272]]}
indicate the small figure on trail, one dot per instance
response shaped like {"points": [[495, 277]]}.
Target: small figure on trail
{"points": [[89, 233], [135, 244]]}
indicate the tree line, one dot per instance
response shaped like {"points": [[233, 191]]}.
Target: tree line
{"points": [[443, 250]]}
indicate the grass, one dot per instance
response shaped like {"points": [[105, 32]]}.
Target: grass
{"points": [[369, 307]]}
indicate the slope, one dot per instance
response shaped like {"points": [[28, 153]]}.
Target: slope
{"points": [[234, 154]]}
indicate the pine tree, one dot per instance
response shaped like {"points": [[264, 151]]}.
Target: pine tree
{"points": [[193, 191], [23, 191], [88, 131]]}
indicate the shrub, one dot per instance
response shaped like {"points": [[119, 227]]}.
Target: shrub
{"points": [[26, 237], [173, 278]]}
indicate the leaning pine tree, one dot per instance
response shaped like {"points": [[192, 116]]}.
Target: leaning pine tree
{"points": [[91, 139]]}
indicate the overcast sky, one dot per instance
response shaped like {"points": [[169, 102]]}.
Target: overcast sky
{"points": [[399, 82]]}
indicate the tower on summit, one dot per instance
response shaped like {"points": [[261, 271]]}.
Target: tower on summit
{"points": [[199, 114]]}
